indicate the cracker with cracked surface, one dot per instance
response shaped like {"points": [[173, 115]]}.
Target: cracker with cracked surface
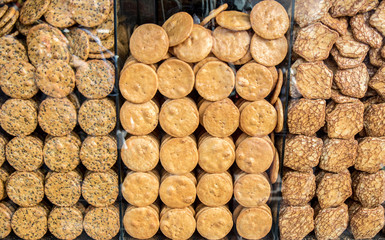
{"points": [[295, 222], [346, 7], [314, 80], [375, 58], [309, 11], [369, 188], [302, 153], [346, 62], [306, 116], [374, 120], [338, 154], [298, 188], [377, 82], [338, 24], [333, 188], [330, 223], [377, 19], [349, 47], [367, 222], [363, 32], [314, 42], [344, 120], [353, 82]]}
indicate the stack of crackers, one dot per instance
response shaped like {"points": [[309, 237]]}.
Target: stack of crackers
{"points": [[51, 89], [335, 151], [205, 88]]}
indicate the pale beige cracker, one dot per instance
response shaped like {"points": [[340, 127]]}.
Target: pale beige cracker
{"points": [[176, 78], [215, 81], [139, 118], [251, 160], [253, 81], [230, 46], [216, 155], [179, 155], [138, 83], [140, 188], [147, 217], [177, 191], [213, 13], [215, 189], [221, 118], [254, 223], [269, 20], [258, 118], [177, 223], [234, 20], [179, 117], [268, 52], [149, 43], [140, 153], [214, 222], [196, 47], [178, 27]]}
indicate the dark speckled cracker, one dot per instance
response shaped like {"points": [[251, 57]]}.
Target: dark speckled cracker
{"points": [[57, 116], [97, 117], [7, 28], [33, 10], [18, 117], [6, 212], [103, 55], [102, 223], [63, 189], [12, 49], [98, 153], [59, 14], [61, 154], [11, 11], [30, 222], [100, 189], [25, 188], [90, 13], [55, 78], [103, 30], [17, 79], [97, 45], [70, 217], [95, 79], [25, 153], [3, 10], [46, 43], [79, 43], [3, 144], [23, 29]]}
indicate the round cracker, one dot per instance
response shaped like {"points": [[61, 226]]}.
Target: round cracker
{"points": [[9, 26], [178, 27], [274, 169], [269, 19], [234, 20], [230, 46], [278, 87], [274, 73], [23, 29], [90, 13], [79, 43], [59, 14], [215, 81], [3, 10], [105, 29], [97, 45], [149, 43], [253, 81], [138, 83], [7, 16], [198, 65], [103, 55], [279, 107], [33, 10], [18, 79], [213, 13], [245, 59], [176, 78], [268, 52], [196, 47], [12, 49], [55, 78]]}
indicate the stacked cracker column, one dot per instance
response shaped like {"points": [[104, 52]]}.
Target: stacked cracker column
{"points": [[194, 144], [349, 183], [45, 70]]}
